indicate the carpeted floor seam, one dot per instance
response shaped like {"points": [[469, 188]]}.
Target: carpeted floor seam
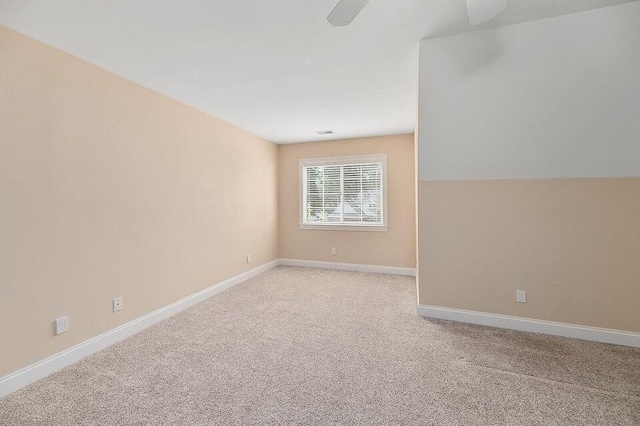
{"points": [[561, 382]]}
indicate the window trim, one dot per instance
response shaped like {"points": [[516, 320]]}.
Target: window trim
{"points": [[353, 159]]}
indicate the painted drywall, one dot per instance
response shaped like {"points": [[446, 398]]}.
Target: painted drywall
{"points": [[503, 114], [395, 247], [572, 244], [107, 190], [555, 98]]}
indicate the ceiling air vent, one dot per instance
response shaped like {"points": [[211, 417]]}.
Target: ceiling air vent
{"points": [[325, 132]]}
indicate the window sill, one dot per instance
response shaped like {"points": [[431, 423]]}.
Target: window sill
{"points": [[343, 227]]}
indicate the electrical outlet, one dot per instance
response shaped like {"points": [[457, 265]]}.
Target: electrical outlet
{"points": [[521, 296], [333, 251], [62, 325], [117, 304], [248, 258]]}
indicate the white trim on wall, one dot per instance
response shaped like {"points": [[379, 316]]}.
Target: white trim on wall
{"points": [[25, 376], [43, 368], [393, 270], [595, 334]]}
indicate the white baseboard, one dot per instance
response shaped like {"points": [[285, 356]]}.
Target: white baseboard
{"points": [[30, 374], [393, 270], [595, 334], [43, 368]]}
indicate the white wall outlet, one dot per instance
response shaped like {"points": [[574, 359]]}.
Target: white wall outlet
{"points": [[117, 304], [521, 296], [248, 258], [333, 251], [62, 325]]}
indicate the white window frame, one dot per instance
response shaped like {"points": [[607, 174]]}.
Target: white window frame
{"points": [[333, 161]]}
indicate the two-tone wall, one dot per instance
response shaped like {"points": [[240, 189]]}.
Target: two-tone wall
{"points": [[395, 247], [107, 190], [529, 166]]}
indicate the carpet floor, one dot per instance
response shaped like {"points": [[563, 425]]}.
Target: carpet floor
{"points": [[310, 346]]}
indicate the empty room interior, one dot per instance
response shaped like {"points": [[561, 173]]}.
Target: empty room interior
{"points": [[320, 212]]}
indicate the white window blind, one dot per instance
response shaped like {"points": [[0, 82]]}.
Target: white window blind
{"points": [[344, 191]]}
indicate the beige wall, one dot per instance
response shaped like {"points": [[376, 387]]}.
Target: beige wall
{"points": [[108, 189], [396, 247], [572, 244]]}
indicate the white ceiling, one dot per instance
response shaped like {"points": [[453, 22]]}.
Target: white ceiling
{"points": [[273, 67]]}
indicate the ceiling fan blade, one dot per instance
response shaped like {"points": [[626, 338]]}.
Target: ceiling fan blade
{"points": [[345, 12], [481, 11]]}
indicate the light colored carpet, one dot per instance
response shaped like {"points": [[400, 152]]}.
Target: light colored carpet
{"points": [[310, 346]]}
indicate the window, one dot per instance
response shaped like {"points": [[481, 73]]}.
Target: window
{"points": [[344, 193]]}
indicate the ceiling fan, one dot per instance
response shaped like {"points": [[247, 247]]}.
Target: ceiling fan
{"points": [[480, 11]]}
